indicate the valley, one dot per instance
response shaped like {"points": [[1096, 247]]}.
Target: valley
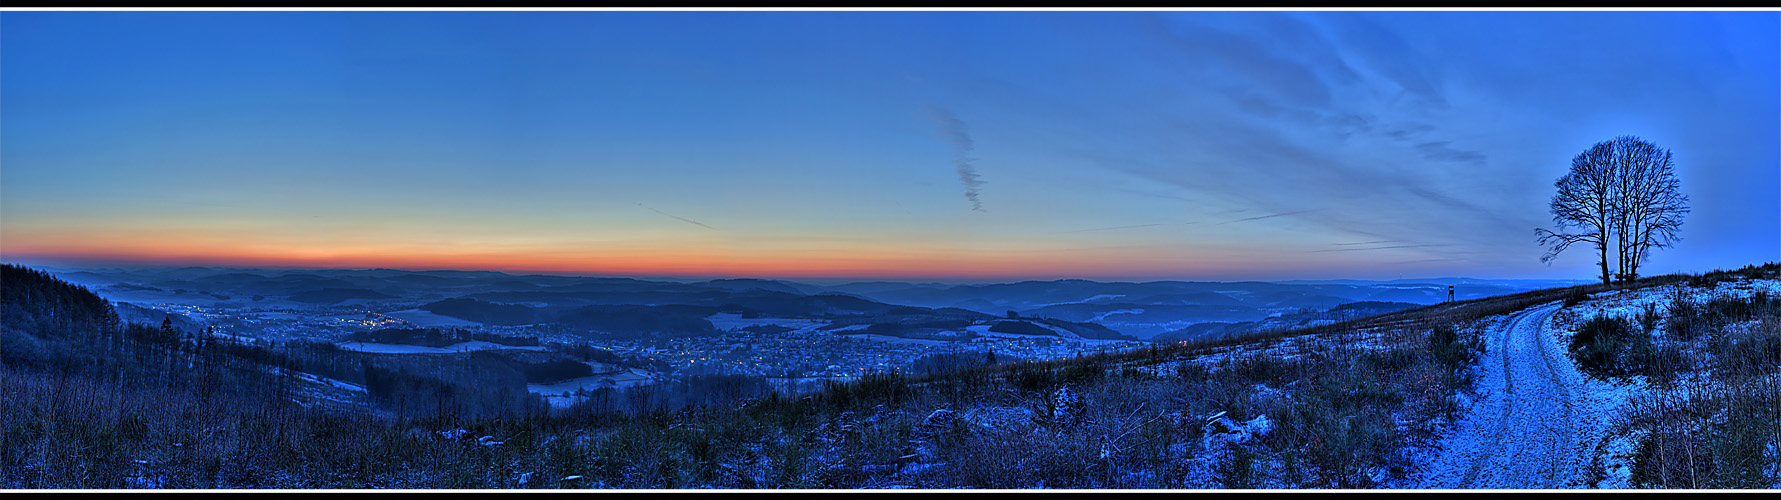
{"points": [[797, 336], [1542, 389]]}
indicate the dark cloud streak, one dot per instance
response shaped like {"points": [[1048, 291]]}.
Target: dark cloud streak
{"points": [[683, 219], [953, 129]]}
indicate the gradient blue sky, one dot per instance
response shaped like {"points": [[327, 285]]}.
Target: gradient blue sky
{"points": [[967, 146]]}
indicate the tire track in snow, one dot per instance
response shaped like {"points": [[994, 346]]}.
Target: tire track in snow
{"points": [[1562, 463], [1523, 433]]}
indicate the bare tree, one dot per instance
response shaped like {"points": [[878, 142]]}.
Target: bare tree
{"points": [[1651, 205], [1622, 195], [1585, 201]]}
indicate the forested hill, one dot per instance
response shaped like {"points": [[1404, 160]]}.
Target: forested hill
{"points": [[39, 305]]}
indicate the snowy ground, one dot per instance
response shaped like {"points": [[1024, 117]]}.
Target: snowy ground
{"points": [[1058, 334], [562, 394], [428, 319], [1628, 304], [1536, 420], [1616, 451]]}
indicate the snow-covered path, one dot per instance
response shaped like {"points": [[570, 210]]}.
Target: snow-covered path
{"points": [[1537, 418]]}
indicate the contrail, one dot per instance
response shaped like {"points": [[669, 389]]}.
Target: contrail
{"points": [[689, 221], [1106, 228], [1376, 248], [954, 131], [1266, 217]]}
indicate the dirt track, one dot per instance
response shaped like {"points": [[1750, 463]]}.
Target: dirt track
{"points": [[1532, 426]]}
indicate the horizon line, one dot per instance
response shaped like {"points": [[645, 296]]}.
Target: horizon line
{"points": [[951, 280]]}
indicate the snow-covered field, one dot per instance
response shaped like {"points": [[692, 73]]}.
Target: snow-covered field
{"points": [[1615, 452], [1103, 316], [428, 319], [227, 337], [326, 391], [314, 379], [562, 394], [1628, 304]]}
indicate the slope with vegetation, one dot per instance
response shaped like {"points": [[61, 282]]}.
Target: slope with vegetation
{"points": [[1356, 403]]}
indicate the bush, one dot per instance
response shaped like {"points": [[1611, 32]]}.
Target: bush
{"points": [[1663, 361], [1236, 469], [1191, 372], [1081, 370], [1607, 347], [1453, 349], [1689, 447], [1686, 319], [1575, 297], [1648, 317], [1750, 353], [1036, 377], [1689, 319]]}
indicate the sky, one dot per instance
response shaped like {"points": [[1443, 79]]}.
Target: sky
{"points": [[909, 145]]}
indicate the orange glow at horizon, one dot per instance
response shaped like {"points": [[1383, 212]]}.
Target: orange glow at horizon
{"points": [[855, 261]]}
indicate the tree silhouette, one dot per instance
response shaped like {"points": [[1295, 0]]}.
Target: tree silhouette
{"points": [[169, 334], [1619, 195], [1651, 205]]}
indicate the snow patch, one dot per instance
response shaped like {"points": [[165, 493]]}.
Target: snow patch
{"points": [[1221, 431], [1616, 455], [1103, 316], [328, 382], [1000, 417]]}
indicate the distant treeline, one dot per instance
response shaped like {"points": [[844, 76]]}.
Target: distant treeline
{"points": [[437, 337], [587, 352], [680, 320], [618, 320], [556, 371], [953, 362], [1020, 328]]}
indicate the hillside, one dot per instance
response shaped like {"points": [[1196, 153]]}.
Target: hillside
{"points": [[1675, 386]]}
